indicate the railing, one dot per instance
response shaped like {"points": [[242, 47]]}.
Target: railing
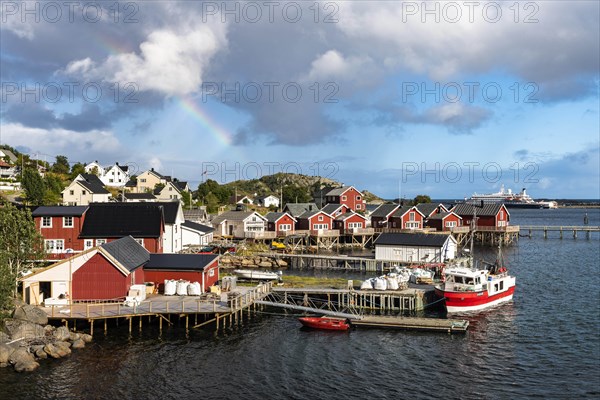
{"points": [[460, 229], [509, 228], [362, 231], [325, 232], [260, 235], [209, 304]]}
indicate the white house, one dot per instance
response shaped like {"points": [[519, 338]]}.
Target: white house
{"points": [[415, 247], [172, 191], [173, 214], [268, 201], [85, 189], [94, 168], [115, 175], [239, 224], [194, 234]]}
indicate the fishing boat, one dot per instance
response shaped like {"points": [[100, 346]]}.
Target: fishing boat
{"points": [[332, 324], [468, 287], [257, 274]]}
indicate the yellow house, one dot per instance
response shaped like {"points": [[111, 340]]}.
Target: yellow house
{"points": [[146, 181]]}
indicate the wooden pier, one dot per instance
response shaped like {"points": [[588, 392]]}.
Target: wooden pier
{"points": [[573, 230], [412, 323], [208, 309]]}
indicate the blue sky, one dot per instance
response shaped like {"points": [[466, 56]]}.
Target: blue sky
{"points": [[399, 98]]}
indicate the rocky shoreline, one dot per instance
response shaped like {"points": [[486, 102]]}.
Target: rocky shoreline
{"points": [[27, 338], [229, 261]]}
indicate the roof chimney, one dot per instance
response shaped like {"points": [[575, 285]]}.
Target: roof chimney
{"points": [[152, 169]]}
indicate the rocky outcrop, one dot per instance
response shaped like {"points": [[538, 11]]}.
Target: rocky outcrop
{"points": [[252, 262], [31, 314], [26, 338]]}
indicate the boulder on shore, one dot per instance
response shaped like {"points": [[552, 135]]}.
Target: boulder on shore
{"points": [[23, 360], [18, 329], [30, 313], [78, 344], [62, 333], [5, 352]]}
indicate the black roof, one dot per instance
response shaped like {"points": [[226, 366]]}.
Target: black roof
{"points": [[411, 239], [140, 220], [92, 183], [180, 262], [128, 252], [170, 209], [428, 208], [59, 211], [198, 227], [139, 196], [383, 210]]}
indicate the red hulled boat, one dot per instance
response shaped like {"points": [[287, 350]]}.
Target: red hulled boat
{"points": [[334, 324]]}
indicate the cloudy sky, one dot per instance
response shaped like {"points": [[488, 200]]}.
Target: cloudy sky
{"points": [[400, 98]]}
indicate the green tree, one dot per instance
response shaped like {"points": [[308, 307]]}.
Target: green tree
{"points": [[61, 166], [295, 194], [212, 203], [422, 198], [187, 199], [76, 169], [54, 187], [34, 187], [20, 242]]}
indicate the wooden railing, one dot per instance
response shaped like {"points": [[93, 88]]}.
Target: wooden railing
{"points": [[261, 235], [325, 232]]}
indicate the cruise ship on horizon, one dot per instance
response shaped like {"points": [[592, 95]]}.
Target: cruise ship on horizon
{"points": [[512, 200]]}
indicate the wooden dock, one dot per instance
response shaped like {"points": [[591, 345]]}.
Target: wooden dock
{"points": [[210, 308], [410, 323], [587, 229]]}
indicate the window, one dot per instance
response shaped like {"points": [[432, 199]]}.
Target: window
{"points": [[143, 180], [100, 242], [111, 180], [83, 192], [285, 227], [211, 272], [140, 241], [320, 218], [357, 198], [412, 225], [358, 206], [88, 244], [72, 192], [411, 216], [343, 198], [450, 224], [54, 245], [47, 222], [67, 222]]}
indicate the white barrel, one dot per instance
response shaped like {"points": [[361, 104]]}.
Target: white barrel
{"points": [[182, 287], [194, 289], [170, 287]]}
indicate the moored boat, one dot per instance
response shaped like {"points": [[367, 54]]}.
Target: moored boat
{"points": [[469, 288], [328, 323], [257, 274]]}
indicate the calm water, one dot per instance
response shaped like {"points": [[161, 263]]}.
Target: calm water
{"points": [[546, 344]]}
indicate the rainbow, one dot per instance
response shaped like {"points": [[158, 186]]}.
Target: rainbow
{"points": [[192, 108], [186, 103]]}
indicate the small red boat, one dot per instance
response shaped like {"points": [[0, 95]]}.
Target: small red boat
{"points": [[334, 324]]}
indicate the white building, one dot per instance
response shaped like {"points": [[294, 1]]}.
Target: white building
{"points": [[85, 189], [194, 234], [415, 247], [239, 223], [268, 201]]}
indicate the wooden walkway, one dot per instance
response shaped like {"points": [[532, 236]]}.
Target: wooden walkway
{"points": [[561, 229], [410, 323]]}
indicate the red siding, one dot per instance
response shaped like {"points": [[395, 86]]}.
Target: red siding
{"points": [[399, 222], [99, 279], [315, 220], [159, 276], [343, 225], [286, 219], [56, 231], [352, 198]]}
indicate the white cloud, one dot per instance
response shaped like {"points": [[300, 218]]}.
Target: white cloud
{"points": [[156, 163], [168, 62], [61, 141], [333, 65]]}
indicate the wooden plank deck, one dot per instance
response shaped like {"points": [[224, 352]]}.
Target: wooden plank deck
{"points": [[412, 323], [160, 304]]}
